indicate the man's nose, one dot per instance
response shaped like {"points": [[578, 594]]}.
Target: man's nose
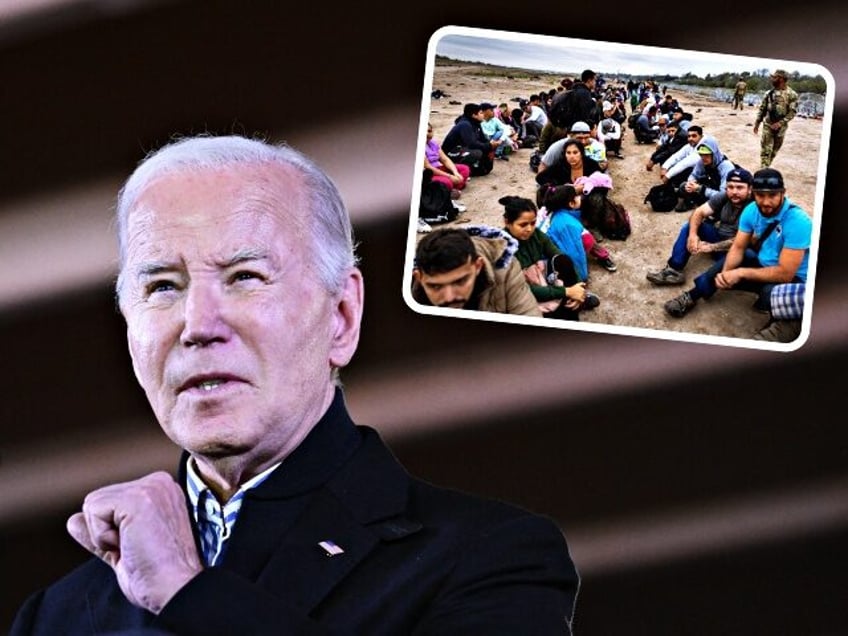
{"points": [[203, 318]]}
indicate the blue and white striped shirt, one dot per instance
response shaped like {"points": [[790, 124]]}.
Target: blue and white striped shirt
{"points": [[214, 522]]}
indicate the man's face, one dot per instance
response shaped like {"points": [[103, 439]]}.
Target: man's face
{"points": [[583, 137], [693, 138], [453, 288], [769, 202], [232, 337], [478, 115], [488, 114], [707, 159], [737, 192]]}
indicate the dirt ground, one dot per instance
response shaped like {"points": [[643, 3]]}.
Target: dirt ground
{"points": [[627, 298]]}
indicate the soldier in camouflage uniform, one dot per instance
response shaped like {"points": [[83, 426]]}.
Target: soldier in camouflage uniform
{"points": [[739, 95], [776, 111]]}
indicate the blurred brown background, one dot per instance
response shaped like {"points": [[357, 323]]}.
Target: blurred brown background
{"points": [[703, 489]]}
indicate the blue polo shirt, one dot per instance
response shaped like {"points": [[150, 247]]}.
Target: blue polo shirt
{"points": [[794, 231]]}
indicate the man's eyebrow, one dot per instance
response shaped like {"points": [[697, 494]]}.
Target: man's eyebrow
{"points": [[244, 256], [153, 268]]}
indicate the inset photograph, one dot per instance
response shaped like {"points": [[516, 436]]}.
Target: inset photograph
{"points": [[618, 188]]}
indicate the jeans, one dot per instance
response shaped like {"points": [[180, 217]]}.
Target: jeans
{"points": [[705, 285], [707, 232]]}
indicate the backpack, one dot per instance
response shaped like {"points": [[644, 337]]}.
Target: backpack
{"points": [[535, 160], [632, 119], [560, 113], [615, 221], [436, 204], [529, 141], [661, 197]]}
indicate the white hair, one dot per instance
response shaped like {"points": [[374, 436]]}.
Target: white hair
{"points": [[333, 249]]}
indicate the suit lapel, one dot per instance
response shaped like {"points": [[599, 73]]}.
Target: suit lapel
{"points": [[360, 506]]}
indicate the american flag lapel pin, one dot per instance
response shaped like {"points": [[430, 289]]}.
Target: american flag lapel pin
{"points": [[330, 548]]}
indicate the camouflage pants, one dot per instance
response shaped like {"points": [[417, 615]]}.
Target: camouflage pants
{"points": [[738, 101], [770, 143]]}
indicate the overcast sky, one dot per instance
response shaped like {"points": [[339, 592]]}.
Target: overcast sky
{"points": [[571, 56]]}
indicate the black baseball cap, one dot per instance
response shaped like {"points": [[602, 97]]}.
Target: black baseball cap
{"points": [[768, 180], [740, 174]]}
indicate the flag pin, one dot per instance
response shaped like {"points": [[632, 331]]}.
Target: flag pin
{"points": [[330, 548]]}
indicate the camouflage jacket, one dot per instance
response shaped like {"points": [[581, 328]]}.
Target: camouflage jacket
{"points": [[778, 105]]}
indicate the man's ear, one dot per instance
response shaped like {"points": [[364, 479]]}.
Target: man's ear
{"points": [[347, 316], [416, 275], [478, 264]]}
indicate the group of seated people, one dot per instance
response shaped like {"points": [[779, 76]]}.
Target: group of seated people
{"points": [[536, 264]]}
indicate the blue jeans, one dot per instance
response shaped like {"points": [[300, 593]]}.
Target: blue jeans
{"points": [[705, 285], [707, 232]]}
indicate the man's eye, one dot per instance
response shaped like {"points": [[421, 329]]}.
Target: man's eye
{"points": [[159, 286], [245, 275]]}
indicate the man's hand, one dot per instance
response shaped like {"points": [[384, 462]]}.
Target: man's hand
{"points": [[756, 128], [693, 244], [728, 279], [142, 530]]}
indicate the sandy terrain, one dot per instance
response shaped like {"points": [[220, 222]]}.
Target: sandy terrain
{"points": [[627, 298]]}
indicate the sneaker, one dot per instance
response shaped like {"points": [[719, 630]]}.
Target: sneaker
{"points": [[424, 227], [679, 306], [618, 155], [459, 206], [780, 331], [683, 206], [607, 264], [666, 276], [591, 301]]}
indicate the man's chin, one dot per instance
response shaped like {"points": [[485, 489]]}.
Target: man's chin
{"points": [[454, 305]]}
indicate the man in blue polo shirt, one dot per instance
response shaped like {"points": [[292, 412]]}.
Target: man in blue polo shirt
{"points": [[772, 246]]}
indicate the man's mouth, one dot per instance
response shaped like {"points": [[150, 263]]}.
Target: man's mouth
{"points": [[206, 383]]}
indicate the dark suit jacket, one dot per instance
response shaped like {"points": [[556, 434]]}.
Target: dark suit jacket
{"points": [[417, 560]]}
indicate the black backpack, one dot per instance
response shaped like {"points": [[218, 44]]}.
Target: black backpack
{"points": [[661, 197], [561, 113], [535, 160], [436, 204]]}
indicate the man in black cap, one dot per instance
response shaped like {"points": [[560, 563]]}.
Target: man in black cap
{"points": [[467, 143], [710, 229], [772, 246], [777, 109]]}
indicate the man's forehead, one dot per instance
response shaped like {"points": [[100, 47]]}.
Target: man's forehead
{"points": [[451, 275]]}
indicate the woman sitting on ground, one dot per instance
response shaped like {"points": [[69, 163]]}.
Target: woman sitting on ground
{"points": [[577, 170], [542, 262], [453, 175]]}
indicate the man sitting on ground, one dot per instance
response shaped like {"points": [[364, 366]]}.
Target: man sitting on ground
{"points": [[496, 130], [467, 143], [677, 168], [675, 139], [772, 246], [707, 178], [609, 131], [711, 228], [472, 268]]}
